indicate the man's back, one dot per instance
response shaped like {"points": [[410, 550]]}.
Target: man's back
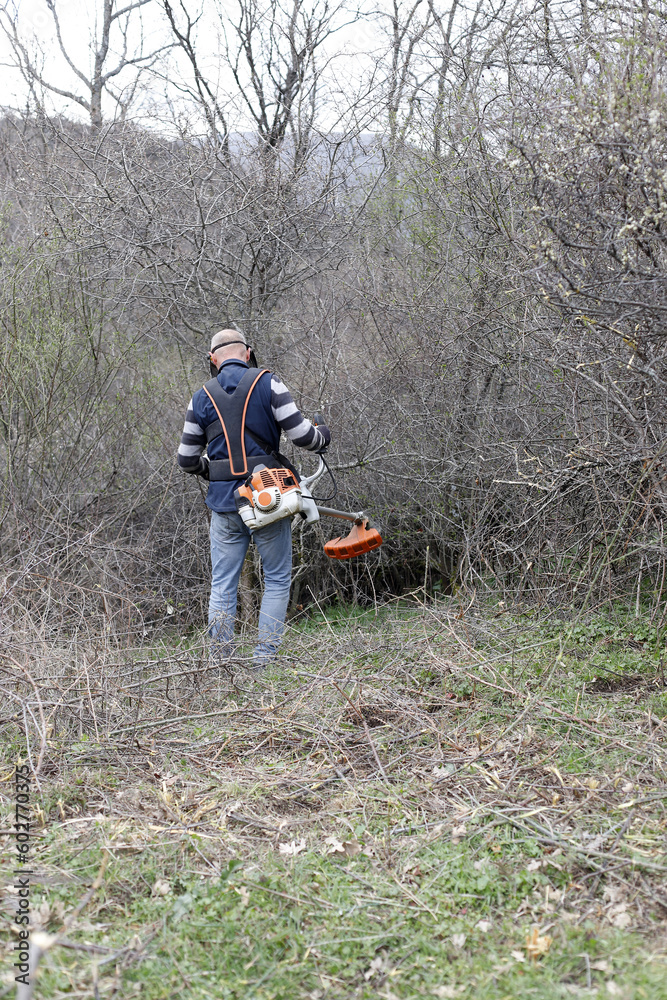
{"points": [[263, 406], [270, 410]]}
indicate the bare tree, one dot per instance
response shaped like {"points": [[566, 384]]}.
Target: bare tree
{"points": [[201, 90], [276, 54], [271, 164], [483, 323], [117, 45], [437, 55], [403, 85]]}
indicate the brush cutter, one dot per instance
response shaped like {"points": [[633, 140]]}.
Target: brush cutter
{"points": [[269, 495], [364, 536]]}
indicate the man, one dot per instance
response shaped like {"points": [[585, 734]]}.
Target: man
{"points": [[239, 415]]}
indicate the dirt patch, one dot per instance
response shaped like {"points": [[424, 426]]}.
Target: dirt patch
{"points": [[615, 684]]}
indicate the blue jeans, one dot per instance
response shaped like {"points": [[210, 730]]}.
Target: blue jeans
{"points": [[229, 543]]}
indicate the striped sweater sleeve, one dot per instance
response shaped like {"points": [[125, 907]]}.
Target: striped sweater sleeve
{"points": [[286, 414], [193, 442]]}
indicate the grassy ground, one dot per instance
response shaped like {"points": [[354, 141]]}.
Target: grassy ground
{"points": [[442, 801]]}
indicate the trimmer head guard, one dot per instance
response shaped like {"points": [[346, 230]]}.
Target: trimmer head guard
{"points": [[362, 538]]}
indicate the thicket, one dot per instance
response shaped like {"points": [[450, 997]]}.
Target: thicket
{"points": [[465, 272]]}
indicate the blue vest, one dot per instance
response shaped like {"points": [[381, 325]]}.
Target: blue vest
{"points": [[259, 419]]}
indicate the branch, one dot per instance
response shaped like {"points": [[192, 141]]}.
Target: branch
{"points": [[31, 74], [207, 98], [130, 7], [52, 7]]}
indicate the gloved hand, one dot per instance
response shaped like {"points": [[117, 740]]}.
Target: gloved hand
{"points": [[204, 467], [326, 434]]}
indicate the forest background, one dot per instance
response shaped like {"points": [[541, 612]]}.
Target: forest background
{"points": [[452, 245], [443, 225]]}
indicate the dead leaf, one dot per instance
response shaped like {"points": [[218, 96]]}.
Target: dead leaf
{"points": [[613, 989], [242, 891], [41, 915], [484, 926], [537, 944], [446, 992], [458, 832], [294, 847], [528, 734], [350, 848], [376, 967], [532, 866], [502, 967], [619, 916], [43, 941], [613, 893], [518, 956], [458, 940]]}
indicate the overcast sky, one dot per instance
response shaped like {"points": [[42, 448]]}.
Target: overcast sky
{"points": [[348, 51]]}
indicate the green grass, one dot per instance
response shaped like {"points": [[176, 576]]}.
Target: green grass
{"points": [[331, 925], [397, 811]]}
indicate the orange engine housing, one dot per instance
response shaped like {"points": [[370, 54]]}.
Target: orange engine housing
{"points": [[256, 488], [268, 495]]}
